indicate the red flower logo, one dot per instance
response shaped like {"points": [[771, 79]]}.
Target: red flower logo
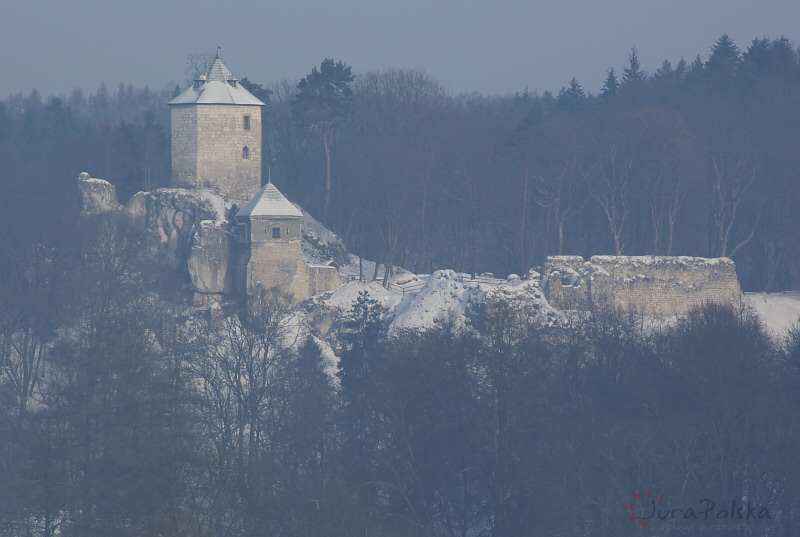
{"points": [[635, 503]]}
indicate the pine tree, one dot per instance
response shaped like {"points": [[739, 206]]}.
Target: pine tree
{"points": [[722, 66], [323, 100], [611, 85], [665, 72], [572, 97], [633, 75]]}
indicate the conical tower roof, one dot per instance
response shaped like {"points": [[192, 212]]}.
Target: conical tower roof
{"points": [[216, 86], [268, 202], [218, 72]]}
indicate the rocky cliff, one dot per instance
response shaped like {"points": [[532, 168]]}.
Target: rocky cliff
{"points": [[192, 232], [187, 231]]}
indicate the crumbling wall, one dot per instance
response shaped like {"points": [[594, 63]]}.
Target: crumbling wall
{"points": [[652, 285], [323, 278]]}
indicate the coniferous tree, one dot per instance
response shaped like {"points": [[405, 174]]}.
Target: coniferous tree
{"points": [[610, 85], [632, 75], [572, 97], [323, 100], [724, 59]]}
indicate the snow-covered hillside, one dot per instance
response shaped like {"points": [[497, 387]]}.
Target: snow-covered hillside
{"points": [[420, 301], [779, 311]]}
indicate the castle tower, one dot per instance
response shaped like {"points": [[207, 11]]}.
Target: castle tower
{"points": [[269, 228], [216, 135]]}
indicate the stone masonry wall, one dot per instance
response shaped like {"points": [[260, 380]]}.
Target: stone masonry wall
{"points": [[207, 144], [323, 278], [261, 228], [566, 281], [219, 149], [275, 264], [651, 285], [184, 146]]}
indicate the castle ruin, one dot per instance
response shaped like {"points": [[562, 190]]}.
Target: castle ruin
{"points": [[651, 285], [216, 145]]}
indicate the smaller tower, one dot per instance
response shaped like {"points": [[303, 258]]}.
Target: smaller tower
{"points": [[269, 228], [216, 135]]}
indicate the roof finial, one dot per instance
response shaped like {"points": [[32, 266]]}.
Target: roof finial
{"points": [[218, 49], [269, 174]]}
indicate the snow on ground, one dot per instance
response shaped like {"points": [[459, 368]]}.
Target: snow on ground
{"points": [[779, 311], [216, 204], [320, 245], [442, 295], [211, 206], [415, 302]]}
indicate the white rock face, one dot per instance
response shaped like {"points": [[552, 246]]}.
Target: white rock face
{"points": [[209, 259], [187, 230], [98, 196]]}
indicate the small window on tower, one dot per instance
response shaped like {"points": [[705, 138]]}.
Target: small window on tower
{"points": [[245, 152], [276, 233], [247, 123]]}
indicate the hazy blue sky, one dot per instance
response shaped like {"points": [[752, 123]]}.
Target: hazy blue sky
{"points": [[495, 47]]}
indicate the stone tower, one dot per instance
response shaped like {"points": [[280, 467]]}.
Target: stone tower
{"points": [[216, 135], [269, 228]]}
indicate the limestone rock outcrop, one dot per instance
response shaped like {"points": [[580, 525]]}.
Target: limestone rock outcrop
{"points": [[184, 230], [210, 253], [187, 230], [98, 196]]}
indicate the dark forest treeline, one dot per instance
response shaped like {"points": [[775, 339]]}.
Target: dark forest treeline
{"points": [[695, 158], [120, 417]]}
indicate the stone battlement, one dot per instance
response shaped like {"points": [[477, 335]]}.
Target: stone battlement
{"points": [[651, 285]]}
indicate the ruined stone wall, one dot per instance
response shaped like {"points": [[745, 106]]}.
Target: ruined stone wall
{"points": [[651, 285], [207, 149], [566, 282], [323, 278]]}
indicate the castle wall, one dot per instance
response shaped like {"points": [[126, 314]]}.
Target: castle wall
{"points": [[184, 146], [651, 285], [261, 228], [323, 278], [207, 148], [275, 264], [566, 282]]}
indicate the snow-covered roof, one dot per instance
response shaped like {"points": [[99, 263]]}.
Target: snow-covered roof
{"points": [[268, 202], [218, 72], [217, 86]]}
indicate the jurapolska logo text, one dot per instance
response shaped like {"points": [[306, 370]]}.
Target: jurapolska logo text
{"points": [[647, 507]]}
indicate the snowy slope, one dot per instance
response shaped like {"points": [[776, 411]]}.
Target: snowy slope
{"points": [[779, 311], [416, 302]]}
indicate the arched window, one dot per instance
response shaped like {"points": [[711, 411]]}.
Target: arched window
{"points": [[245, 152]]}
